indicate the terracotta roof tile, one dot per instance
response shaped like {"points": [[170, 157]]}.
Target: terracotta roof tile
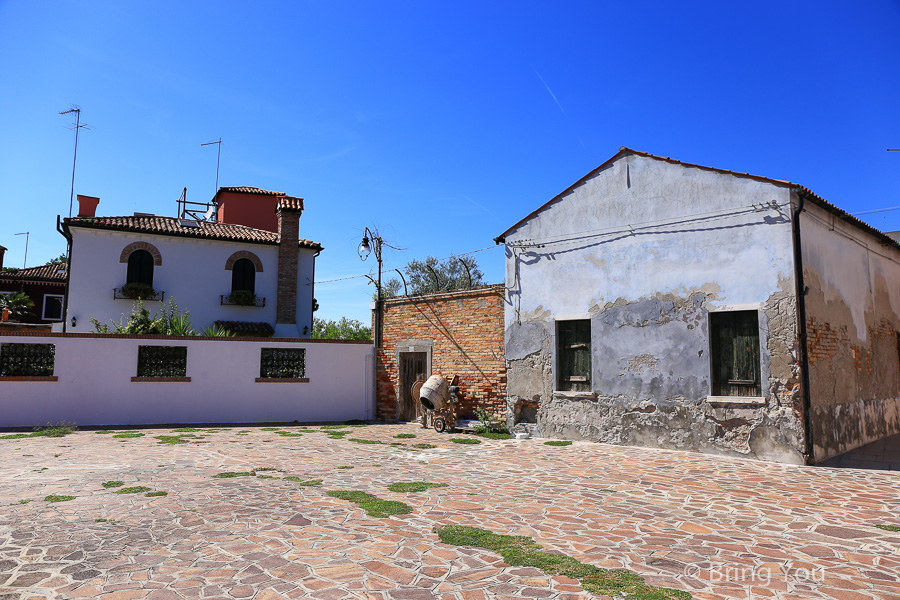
{"points": [[172, 226], [243, 189], [290, 203], [42, 273], [247, 328]]}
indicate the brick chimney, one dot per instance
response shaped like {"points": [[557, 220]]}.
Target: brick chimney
{"points": [[288, 211], [87, 205]]}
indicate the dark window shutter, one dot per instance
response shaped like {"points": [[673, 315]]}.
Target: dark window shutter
{"points": [[734, 341], [243, 275], [140, 267]]}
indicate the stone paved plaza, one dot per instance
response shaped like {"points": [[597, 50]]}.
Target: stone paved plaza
{"points": [[715, 527]]}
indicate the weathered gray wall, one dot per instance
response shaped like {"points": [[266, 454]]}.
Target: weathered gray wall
{"points": [[645, 249], [852, 318]]}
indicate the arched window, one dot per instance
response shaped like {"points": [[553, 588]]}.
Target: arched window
{"points": [[243, 275], [140, 267]]}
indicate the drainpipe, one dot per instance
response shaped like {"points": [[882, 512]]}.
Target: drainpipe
{"points": [[66, 234], [801, 326]]}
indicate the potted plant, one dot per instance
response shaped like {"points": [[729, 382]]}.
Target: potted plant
{"points": [[138, 291], [242, 297]]}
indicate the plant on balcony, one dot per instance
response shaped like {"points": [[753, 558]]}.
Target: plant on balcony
{"points": [[242, 297], [138, 291]]}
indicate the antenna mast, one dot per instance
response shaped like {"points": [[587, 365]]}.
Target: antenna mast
{"points": [[218, 157], [75, 109]]}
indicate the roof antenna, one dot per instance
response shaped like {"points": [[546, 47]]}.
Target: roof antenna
{"points": [[218, 156], [75, 109]]}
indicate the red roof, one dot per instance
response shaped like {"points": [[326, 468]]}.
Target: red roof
{"points": [[172, 226], [799, 189], [48, 273]]}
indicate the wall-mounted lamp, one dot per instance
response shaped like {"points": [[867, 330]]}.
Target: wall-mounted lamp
{"points": [[74, 321], [305, 329]]}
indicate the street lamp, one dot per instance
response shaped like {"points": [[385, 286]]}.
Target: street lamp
{"points": [[364, 250]]}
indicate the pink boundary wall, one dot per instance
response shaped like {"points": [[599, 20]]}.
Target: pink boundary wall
{"points": [[94, 384]]}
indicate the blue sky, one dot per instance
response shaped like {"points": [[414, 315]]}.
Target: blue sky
{"points": [[440, 124]]}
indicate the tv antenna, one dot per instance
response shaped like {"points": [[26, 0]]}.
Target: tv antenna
{"points": [[218, 157], [77, 110], [27, 235]]}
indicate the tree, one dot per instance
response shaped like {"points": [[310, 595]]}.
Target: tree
{"points": [[18, 305], [344, 329], [430, 276], [60, 260]]}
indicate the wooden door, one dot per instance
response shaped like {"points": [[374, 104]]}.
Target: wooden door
{"points": [[412, 369]]}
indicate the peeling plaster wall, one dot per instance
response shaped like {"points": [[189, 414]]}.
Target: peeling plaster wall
{"points": [[852, 310], [645, 249]]}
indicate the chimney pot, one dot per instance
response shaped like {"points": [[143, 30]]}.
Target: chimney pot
{"points": [[87, 205]]}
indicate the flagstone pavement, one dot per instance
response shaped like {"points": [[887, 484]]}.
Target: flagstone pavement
{"points": [[716, 527]]}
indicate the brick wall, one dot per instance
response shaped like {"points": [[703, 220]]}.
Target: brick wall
{"points": [[288, 255], [466, 332]]}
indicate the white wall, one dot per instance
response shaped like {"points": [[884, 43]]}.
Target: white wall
{"points": [[192, 272], [94, 384]]}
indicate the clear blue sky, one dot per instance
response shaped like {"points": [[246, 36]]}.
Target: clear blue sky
{"points": [[440, 124]]}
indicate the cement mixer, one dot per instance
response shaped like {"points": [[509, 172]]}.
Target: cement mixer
{"points": [[439, 396]]}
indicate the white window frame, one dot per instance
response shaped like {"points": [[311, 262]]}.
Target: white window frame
{"points": [[62, 307], [760, 315]]}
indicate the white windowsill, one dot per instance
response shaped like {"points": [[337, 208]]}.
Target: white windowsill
{"points": [[575, 395], [736, 400]]}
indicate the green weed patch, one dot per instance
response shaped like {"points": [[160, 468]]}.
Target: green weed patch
{"points": [[524, 551], [465, 441], [414, 486], [361, 441], [156, 494], [307, 483], [133, 490], [55, 498], [888, 527], [373, 505], [230, 474], [405, 436], [112, 484], [558, 443]]}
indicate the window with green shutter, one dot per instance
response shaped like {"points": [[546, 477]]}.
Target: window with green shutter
{"points": [[573, 355], [734, 351]]}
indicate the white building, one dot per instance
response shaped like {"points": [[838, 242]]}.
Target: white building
{"points": [[661, 303], [249, 269]]}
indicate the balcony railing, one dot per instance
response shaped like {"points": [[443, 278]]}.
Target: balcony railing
{"points": [[226, 299], [156, 296]]}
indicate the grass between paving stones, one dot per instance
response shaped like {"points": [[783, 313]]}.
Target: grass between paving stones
{"points": [[133, 490], [175, 439], [156, 494], [608, 491], [495, 435], [230, 474], [112, 484], [56, 498], [361, 441], [373, 505], [307, 483], [110, 521], [289, 434], [104, 431], [524, 551], [50, 430], [270, 429], [424, 446], [885, 527], [405, 436], [186, 429], [25, 501], [356, 423], [414, 486], [130, 434], [345, 467], [465, 441], [558, 443]]}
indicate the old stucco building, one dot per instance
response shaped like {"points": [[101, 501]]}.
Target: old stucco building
{"points": [[660, 303]]}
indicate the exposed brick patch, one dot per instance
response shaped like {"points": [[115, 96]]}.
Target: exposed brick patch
{"points": [[229, 264], [825, 343], [126, 252], [467, 332]]}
